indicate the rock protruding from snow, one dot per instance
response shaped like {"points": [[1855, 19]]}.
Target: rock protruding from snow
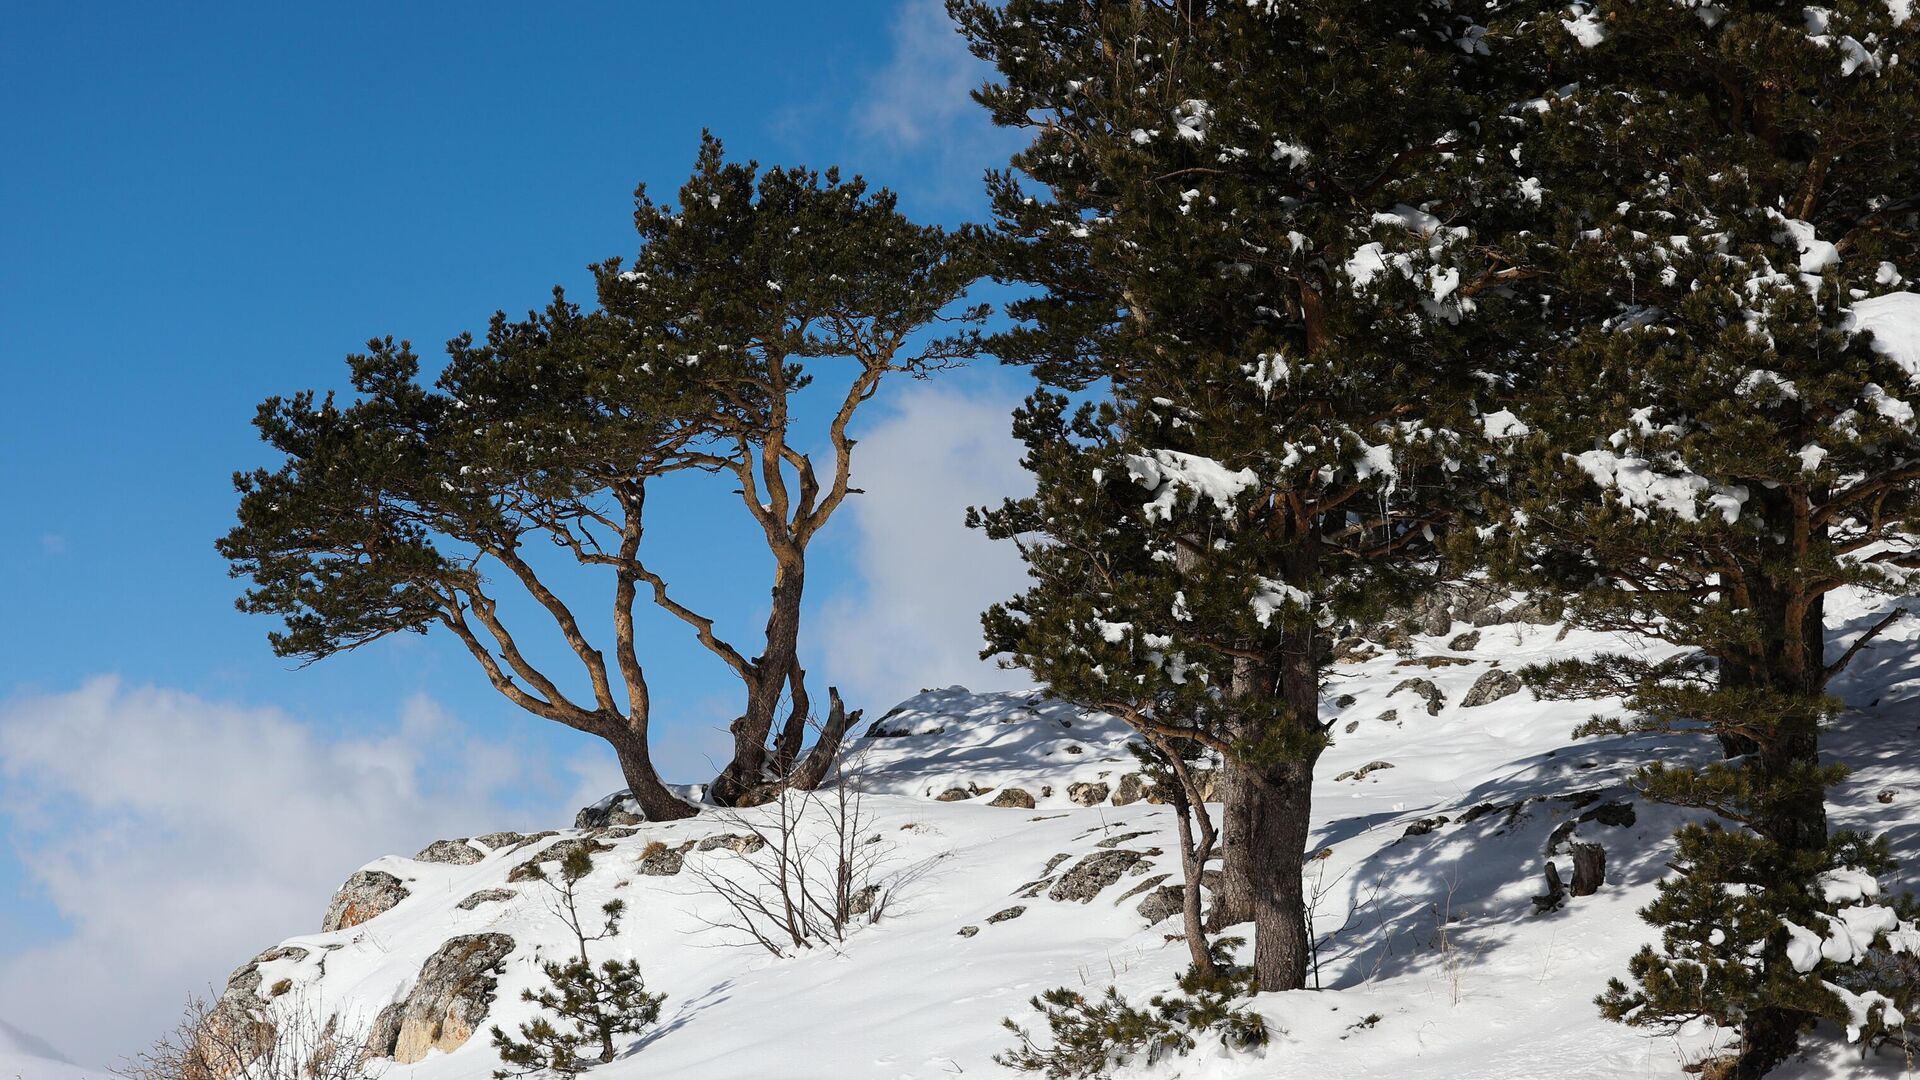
{"points": [[1426, 691], [1088, 793], [448, 1002], [1491, 687], [366, 894], [1093, 873], [555, 852], [452, 852], [485, 896], [1018, 798]]}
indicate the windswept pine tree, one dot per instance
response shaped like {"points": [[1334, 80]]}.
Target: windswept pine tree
{"points": [[1721, 435], [1252, 232], [422, 505]]}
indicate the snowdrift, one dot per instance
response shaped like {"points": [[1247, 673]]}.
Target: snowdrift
{"points": [[1446, 792]]}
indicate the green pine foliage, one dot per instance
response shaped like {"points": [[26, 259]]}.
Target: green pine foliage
{"points": [[1703, 445], [469, 501], [1261, 298], [586, 1007], [1092, 1036]]}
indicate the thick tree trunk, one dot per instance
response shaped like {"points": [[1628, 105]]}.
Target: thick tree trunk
{"points": [[1281, 807], [643, 781]]}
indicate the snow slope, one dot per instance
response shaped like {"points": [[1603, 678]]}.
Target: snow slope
{"points": [[1433, 960]]}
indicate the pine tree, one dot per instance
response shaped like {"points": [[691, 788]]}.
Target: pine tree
{"points": [[425, 504], [1713, 439], [1257, 245], [587, 1006]]}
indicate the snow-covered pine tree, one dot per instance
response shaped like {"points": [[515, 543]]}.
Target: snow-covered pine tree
{"points": [[1256, 246], [1719, 436]]}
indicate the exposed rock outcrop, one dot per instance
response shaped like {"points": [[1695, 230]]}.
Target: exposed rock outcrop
{"points": [[448, 1002], [366, 894], [455, 852], [1014, 797], [1490, 688], [1093, 873]]}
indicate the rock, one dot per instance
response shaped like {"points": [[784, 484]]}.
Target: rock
{"points": [[616, 809], [738, 843], [1131, 789], [1362, 772], [862, 902], [1354, 651], [1425, 826], [1014, 797], [1491, 687], [1074, 748], [456, 852], [1465, 642], [1140, 888], [485, 896], [1541, 612], [1391, 716], [1427, 692], [1162, 903], [532, 838], [1087, 793], [1116, 841], [1435, 621], [1344, 701], [953, 794], [555, 852], [662, 861], [1093, 873], [1431, 662], [1004, 914], [1054, 863], [1352, 726], [968, 931], [497, 840], [366, 894], [1886, 795], [449, 1000], [1620, 815]]}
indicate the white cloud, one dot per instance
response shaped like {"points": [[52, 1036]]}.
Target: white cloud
{"points": [[922, 90], [179, 836], [914, 621]]}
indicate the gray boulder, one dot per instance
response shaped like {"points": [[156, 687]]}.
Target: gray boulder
{"points": [[1087, 793], [1491, 687], [485, 896], [1426, 691], [738, 843], [1095, 872], [448, 1002], [1163, 903], [1018, 798], [1131, 789], [366, 894], [456, 852]]}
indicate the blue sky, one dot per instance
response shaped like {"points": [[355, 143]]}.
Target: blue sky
{"points": [[206, 205]]}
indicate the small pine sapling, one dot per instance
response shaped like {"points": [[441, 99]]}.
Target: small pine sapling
{"points": [[592, 1004], [1093, 1037]]}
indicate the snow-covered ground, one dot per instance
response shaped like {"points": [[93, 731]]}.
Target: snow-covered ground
{"points": [[1434, 963]]}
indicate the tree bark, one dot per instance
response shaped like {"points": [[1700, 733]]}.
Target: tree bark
{"points": [[643, 781], [770, 673]]}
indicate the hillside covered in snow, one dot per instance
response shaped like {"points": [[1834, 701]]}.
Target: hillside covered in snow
{"points": [[1013, 853]]}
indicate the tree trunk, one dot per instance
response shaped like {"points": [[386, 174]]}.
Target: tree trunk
{"points": [[812, 769], [1280, 822], [771, 669], [643, 781]]}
